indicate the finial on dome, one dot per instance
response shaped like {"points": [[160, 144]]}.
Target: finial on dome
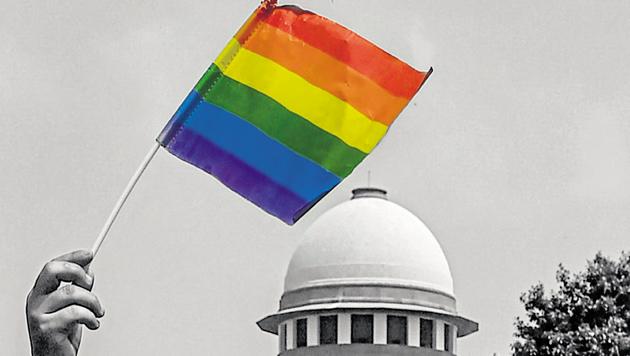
{"points": [[369, 193]]}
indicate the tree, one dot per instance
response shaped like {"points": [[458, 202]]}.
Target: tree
{"points": [[589, 315]]}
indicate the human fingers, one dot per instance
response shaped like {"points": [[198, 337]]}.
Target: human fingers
{"points": [[80, 257], [55, 272], [72, 295], [67, 317]]}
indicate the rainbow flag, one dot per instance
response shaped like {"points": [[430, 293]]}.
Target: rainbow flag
{"points": [[289, 108]]}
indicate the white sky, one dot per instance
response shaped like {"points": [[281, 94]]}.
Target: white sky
{"points": [[516, 154]]}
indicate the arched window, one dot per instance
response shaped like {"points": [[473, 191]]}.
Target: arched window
{"points": [[362, 329], [396, 330], [448, 340], [283, 337], [327, 329], [300, 333], [426, 333]]}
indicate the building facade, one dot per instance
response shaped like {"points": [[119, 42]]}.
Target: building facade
{"points": [[368, 279]]}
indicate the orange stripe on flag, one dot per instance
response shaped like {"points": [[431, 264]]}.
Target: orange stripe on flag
{"points": [[326, 72]]}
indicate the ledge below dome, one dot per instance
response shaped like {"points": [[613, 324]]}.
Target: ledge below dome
{"points": [[368, 293], [271, 322], [364, 350]]}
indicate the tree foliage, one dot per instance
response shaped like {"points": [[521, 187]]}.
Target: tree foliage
{"points": [[589, 315]]}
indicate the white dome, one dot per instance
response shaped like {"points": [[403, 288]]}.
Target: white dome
{"points": [[369, 240], [364, 255]]}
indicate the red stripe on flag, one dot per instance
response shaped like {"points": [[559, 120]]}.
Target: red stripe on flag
{"points": [[388, 71]]}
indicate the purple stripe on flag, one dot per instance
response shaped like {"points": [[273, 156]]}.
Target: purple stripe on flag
{"points": [[238, 176]]}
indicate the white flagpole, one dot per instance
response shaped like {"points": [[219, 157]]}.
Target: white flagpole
{"points": [[121, 201]]}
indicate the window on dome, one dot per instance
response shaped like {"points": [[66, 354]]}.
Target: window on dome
{"points": [[396, 330], [300, 333], [447, 337], [327, 329], [283, 337], [362, 330], [426, 333]]}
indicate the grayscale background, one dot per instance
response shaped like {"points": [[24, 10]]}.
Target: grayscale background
{"points": [[516, 153]]}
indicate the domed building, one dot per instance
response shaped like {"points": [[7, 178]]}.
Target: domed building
{"points": [[368, 279]]}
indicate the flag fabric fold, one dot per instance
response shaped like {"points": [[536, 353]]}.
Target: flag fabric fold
{"points": [[289, 108]]}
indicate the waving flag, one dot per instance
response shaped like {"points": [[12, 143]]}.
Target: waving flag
{"points": [[289, 108]]}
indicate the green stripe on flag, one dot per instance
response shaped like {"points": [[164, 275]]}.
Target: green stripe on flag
{"points": [[279, 123]]}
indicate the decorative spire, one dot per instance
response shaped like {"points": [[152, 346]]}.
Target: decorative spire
{"points": [[369, 193]]}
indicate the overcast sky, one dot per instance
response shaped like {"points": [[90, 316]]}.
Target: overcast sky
{"points": [[516, 153]]}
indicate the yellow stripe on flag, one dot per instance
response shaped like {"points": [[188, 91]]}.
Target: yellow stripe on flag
{"points": [[301, 97]]}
